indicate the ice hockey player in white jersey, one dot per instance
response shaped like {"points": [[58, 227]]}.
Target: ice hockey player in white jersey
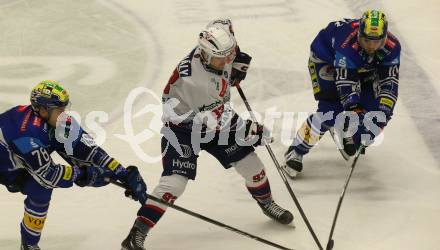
{"points": [[197, 116]]}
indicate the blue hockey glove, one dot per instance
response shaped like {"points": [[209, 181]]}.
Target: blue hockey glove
{"points": [[136, 187], [93, 176], [371, 127], [386, 106], [240, 66]]}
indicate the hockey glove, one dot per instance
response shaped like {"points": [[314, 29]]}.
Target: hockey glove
{"points": [[240, 66], [386, 106], [136, 187], [18, 182], [357, 109], [371, 127], [256, 130], [94, 176]]}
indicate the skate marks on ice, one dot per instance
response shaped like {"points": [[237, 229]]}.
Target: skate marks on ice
{"points": [[92, 58], [199, 11]]}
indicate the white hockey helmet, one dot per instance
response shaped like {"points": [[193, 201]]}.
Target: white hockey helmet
{"points": [[217, 42]]}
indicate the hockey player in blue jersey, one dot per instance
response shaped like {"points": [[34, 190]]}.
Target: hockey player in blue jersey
{"points": [[354, 68], [28, 136]]}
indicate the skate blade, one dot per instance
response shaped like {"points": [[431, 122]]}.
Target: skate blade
{"points": [[289, 172]]}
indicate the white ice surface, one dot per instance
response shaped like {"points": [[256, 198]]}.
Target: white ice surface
{"points": [[104, 49]]}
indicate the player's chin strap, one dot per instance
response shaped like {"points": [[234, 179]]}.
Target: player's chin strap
{"points": [[280, 171], [330, 242], [209, 220]]}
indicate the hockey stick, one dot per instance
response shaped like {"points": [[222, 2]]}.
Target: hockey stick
{"points": [[279, 169], [339, 145], [330, 242], [204, 218]]}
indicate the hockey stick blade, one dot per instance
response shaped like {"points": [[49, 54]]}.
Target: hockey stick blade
{"points": [[330, 242], [339, 145], [209, 220]]}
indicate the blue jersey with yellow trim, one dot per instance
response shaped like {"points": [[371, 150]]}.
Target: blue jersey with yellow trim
{"points": [[26, 142], [337, 45]]}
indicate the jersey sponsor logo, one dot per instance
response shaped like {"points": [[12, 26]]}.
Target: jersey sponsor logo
{"points": [[348, 39], [342, 62], [25, 122], [27, 144], [33, 223], [184, 67], [67, 173], [33, 143], [113, 165], [232, 149], [211, 106], [387, 102], [186, 151], [183, 164]]}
